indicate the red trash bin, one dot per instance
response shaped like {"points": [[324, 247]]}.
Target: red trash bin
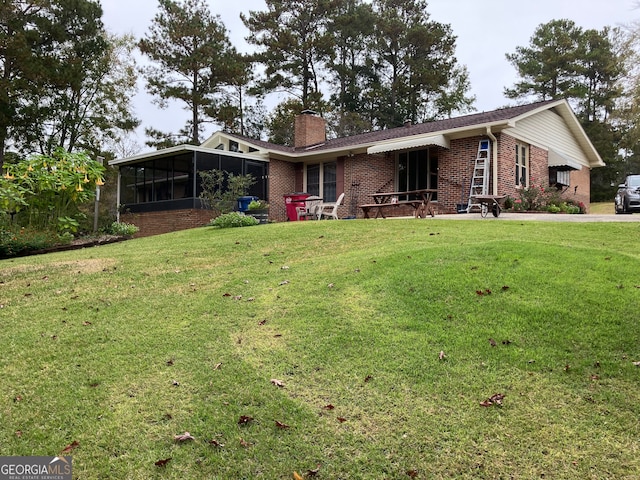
{"points": [[292, 201]]}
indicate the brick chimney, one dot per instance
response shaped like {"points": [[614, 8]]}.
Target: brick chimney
{"points": [[310, 129]]}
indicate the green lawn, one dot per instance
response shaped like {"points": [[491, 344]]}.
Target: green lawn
{"points": [[602, 208], [120, 348]]}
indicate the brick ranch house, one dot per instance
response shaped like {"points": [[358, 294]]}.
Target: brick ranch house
{"points": [[539, 143]]}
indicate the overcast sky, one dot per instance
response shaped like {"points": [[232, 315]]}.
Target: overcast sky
{"points": [[485, 29]]}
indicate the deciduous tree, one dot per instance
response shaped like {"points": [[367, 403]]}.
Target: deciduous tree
{"points": [[63, 81]]}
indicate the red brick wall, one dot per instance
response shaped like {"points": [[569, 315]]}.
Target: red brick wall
{"points": [[455, 168], [580, 188], [155, 223], [282, 180], [364, 175]]}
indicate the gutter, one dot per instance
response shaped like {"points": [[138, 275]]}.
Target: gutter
{"points": [[494, 150]]}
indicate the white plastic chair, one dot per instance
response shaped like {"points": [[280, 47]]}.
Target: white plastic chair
{"points": [[329, 209], [309, 209]]}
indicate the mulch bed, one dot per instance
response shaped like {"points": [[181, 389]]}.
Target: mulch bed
{"points": [[76, 244]]}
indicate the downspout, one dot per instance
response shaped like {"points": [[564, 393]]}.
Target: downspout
{"points": [[494, 142], [118, 195]]}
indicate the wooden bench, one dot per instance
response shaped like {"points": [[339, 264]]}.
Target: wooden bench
{"points": [[420, 209]]}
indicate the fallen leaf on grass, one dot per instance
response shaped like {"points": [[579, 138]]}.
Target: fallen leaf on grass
{"points": [[175, 383], [505, 288], [216, 443], [313, 473], [277, 383], [637, 364], [217, 366], [86, 323], [368, 378], [495, 399], [284, 282], [412, 473], [244, 420], [331, 285], [238, 297], [170, 362], [282, 426], [441, 355], [328, 407], [567, 367], [163, 463], [342, 419], [70, 447], [244, 443], [492, 342], [297, 476], [18, 433], [262, 322], [186, 436], [17, 398]]}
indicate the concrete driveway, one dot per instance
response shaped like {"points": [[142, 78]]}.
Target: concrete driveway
{"points": [[544, 217]]}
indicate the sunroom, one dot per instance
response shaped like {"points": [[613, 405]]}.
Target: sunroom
{"points": [[169, 179]]}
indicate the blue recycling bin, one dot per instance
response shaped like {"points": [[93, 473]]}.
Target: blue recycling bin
{"points": [[243, 203]]}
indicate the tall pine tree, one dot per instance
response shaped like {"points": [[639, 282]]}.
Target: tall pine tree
{"points": [[192, 61]]}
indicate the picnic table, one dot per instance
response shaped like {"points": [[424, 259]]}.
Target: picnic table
{"points": [[420, 200]]}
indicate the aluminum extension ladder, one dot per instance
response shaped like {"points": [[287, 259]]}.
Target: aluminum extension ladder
{"points": [[480, 177]]}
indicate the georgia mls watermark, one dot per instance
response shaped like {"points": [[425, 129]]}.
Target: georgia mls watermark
{"points": [[35, 468]]}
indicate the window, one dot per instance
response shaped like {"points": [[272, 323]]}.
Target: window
{"points": [[560, 178], [522, 165], [417, 170], [321, 180]]}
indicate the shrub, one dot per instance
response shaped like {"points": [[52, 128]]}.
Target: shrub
{"points": [[122, 229], [553, 209], [258, 205], [45, 188], [233, 219], [221, 189], [15, 241]]}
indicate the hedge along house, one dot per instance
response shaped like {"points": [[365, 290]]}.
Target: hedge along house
{"points": [[540, 143]]}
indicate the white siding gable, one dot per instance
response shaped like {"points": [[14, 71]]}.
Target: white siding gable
{"points": [[548, 130]]}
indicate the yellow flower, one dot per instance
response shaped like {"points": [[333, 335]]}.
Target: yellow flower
{"points": [[86, 180], [30, 169], [99, 182], [8, 176], [79, 188]]}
